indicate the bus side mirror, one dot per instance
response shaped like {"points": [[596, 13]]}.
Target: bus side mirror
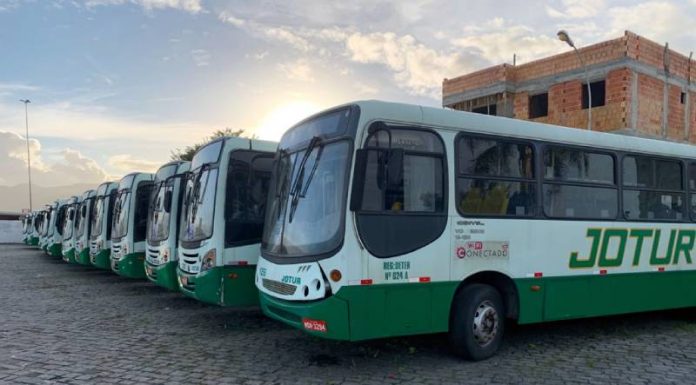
{"points": [[83, 211], [356, 194], [167, 201], [72, 215]]}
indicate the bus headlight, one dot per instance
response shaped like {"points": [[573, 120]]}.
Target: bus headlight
{"points": [[165, 255], [124, 249], [208, 261]]}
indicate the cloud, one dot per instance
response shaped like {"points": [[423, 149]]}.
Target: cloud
{"points": [[657, 20], [127, 163], [67, 167], [298, 70], [417, 68], [577, 9], [201, 57], [191, 6], [496, 41]]}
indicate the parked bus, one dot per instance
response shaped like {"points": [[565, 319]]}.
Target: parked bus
{"points": [[68, 230], [27, 221], [82, 227], [46, 227], [163, 224], [55, 247], [129, 225], [35, 226], [222, 221], [388, 219], [100, 225]]}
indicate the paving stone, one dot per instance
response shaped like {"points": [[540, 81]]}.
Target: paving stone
{"points": [[67, 324]]}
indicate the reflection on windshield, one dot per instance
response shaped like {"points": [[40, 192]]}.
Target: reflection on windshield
{"points": [[316, 224], [97, 217], [158, 218], [199, 205], [68, 223], [120, 226]]}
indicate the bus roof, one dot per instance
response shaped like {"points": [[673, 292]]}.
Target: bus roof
{"points": [[495, 125]]}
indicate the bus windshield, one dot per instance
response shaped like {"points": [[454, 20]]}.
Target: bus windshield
{"points": [[68, 223], [306, 199], [158, 218], [199, 204], [98, 216], [120, 226]]}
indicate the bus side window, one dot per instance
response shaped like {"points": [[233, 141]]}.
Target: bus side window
{"points": [[495, 177], [142, 200], [248, 178], [653, 189], [403, 204]]}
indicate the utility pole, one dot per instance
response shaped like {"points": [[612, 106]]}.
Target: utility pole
{"points": [[26, 121]]}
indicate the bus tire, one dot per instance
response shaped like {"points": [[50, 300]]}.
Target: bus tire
{"points": [[477, 323]]}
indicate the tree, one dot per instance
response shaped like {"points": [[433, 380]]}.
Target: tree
{"points": [[188, 152]]}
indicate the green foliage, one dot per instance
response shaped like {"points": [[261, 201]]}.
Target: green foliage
{"points": [[188, 152]]}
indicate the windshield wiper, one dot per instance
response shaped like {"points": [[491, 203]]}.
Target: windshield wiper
{"points": [[297, 191]]}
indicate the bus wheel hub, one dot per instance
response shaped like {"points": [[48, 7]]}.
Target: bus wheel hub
{"points": [[485, 325]]}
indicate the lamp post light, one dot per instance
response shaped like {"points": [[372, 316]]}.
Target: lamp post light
{"points": [[564, 37], [26, 121]]}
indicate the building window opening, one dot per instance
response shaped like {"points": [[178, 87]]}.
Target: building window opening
{"points": [[491, 109], [538, 105], [598, 94], [682, 98]]}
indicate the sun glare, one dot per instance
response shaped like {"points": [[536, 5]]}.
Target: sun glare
{"points": [[276, 122]]}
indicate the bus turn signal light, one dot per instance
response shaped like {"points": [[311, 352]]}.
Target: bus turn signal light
{"points": [[335, 275]]}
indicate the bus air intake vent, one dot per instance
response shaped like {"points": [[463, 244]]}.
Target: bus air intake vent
{"points": [[279, 287]]}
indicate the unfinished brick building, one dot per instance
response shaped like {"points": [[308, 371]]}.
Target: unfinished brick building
{"points": [[638, 87]]}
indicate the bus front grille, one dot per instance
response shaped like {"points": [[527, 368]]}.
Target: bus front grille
{"points": [[190, 259], [279, 287]]}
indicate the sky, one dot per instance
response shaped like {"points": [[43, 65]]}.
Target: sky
{"points": [[115, 85]]}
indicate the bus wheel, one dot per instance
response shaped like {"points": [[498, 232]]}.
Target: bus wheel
{"points": [[477, 323]]}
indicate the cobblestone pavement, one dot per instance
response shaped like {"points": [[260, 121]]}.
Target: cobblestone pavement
{"points": [[64, 323]]}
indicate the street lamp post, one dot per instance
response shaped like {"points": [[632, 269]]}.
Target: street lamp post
{"points": [[564, 37], [26, 122]]}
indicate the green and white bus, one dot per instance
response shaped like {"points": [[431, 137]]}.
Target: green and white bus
{"points": [[222, 221], [33, 234], [388, 219], [27, 223], [100, 225], [163, 224], [42, 226], [129, 225], [68, 231], [47, 227], [55, 238], [82, 227]]}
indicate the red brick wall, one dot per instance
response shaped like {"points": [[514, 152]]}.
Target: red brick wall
{"points": [[675, 117], [474, 80], [692, 117], [520, 107], [650, 92]]}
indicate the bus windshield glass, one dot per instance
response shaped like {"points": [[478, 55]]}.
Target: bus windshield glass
{"points": [[98, 216], [120, 227], [68, 223], [199, 204], [306, 199], [158, 218]]}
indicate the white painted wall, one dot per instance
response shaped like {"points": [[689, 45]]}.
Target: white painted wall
{"points": [[10, 231]]}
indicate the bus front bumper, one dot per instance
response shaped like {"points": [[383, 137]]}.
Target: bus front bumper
{"points": [[83, 257], [326, 318], [69, 256], [225, 286], [130, 266], [163, 275], [101, 259], [55, 250]]}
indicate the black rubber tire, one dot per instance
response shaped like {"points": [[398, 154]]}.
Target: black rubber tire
{"points": [[464, 307]]}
